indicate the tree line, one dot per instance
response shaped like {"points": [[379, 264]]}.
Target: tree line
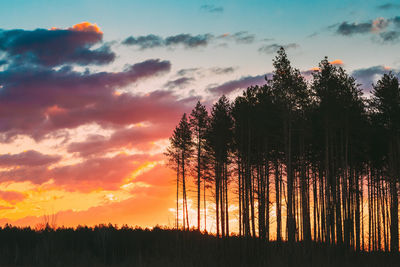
{"points": [[316, 158]]}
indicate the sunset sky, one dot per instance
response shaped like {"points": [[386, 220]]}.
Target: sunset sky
{"points": [[90, 91]]}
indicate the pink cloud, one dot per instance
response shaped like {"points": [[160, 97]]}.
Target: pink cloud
{"points": [[141, 137], [91, 174], [43, 101]]}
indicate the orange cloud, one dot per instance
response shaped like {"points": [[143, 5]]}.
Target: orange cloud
{"points": [[337, 62], [54, 110], [86, 27]]}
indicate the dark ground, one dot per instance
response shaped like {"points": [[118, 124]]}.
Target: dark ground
{"points": [[109, 246]]}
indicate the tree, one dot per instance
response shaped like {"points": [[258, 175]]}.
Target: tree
{"points": [[386, 102], [219, 140], [199, 123], [290, 92], [179, 153]]}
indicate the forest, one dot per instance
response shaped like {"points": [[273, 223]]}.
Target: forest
{"points": [[303, 160]]}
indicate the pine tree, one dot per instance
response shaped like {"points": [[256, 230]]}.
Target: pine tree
{"points": [[199, 123]]}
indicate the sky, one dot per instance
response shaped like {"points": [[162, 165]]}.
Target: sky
{"points": [[90, 91]]}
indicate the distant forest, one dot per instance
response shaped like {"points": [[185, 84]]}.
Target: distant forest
{"points": [[316, 157]]}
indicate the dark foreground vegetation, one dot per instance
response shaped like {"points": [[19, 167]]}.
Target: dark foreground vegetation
{"points": [[112, 246]]}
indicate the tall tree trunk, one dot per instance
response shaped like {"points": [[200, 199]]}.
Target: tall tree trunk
{"points": [[278, 203], [217, 198], [291, 222], [198, 180], [177, 194], [394, 205], [226, 199]]}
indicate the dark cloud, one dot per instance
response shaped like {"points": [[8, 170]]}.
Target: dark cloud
{"points": [[147, 41], [212, 8], [388, 6], [188, 41], [386, 30], [390, 36], [180, 82], [28, 158], [56, 46], [273, 48], [152, 41], [241, 83], [346, 28], [395, 21]]}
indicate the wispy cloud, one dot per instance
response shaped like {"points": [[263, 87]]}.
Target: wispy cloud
{"points": [[180, 83], [241, 37], [389, 6], [273, 48], [241, 83], [184, 39], [212, 8], [187, 40]]}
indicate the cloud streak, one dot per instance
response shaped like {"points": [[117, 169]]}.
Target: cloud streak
{"points": [[186, 40], [152, 41], [212, 9], [241, 83], [273, 48], [389, 6]]}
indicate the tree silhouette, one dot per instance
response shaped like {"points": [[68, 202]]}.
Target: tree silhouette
{"points": [[219, 139], [179, 152], [386, 102], [199, 123]]}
